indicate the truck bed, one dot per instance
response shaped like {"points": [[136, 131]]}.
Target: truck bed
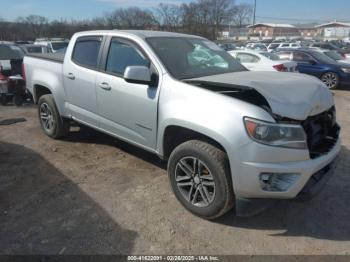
{"points": [[58, 58]]}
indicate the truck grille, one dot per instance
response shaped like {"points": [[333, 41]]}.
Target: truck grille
{"points": [[322, 132]]}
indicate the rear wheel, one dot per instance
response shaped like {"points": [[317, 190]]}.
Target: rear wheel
{"points": [[51, 122], [200, 178], [331, 80]]}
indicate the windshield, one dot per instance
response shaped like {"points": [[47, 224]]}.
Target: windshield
{"points": [[187, 58], [8, 52], [271, 56], [334, 55], [59, 45], [323, 58]]}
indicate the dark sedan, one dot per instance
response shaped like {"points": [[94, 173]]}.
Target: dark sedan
{"points": [[315, 63]]}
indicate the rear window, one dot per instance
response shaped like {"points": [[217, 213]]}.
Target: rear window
{"points": [[9, 52], [35, 49], [284, 55], [59, 45], [86, 51], [271, 56]]}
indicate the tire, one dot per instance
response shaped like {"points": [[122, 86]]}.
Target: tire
{"points": [[331, 80], [210, 194], [51, 122], [18, 100]]}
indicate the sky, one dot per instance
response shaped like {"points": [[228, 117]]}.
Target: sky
{"points": [[282, 11]]}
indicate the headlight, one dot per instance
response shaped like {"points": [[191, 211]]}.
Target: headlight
{"points": [[346, 70], [282, 135]]}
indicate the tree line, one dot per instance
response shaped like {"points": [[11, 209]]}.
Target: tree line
{"points": [[200, 17]]}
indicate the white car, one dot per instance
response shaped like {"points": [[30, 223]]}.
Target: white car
{"points": [[263, 61], [257, 46]]}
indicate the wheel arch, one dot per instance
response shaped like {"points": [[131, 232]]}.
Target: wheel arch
{"points": [[40, 90], [175, 135]]}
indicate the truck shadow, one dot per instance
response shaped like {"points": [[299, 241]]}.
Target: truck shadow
{"points": [[327, 216], [83, 134], [44, 212]]}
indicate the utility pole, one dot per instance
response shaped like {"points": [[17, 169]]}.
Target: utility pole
{"points": [[254, 18]]}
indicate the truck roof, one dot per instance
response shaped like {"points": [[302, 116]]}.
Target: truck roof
{"points": [[139, 33]]}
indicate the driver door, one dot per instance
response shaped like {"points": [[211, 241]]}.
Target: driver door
{"points": [[126, 110]]}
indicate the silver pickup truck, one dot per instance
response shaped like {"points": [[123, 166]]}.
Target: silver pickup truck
{"points": [[230, 136]]}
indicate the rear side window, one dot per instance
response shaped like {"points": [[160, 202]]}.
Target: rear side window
{"points": [[247, 58], [121, 55], [284, 55], [301, 57], [86, 51]]}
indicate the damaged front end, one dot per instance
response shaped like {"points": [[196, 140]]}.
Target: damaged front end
{"points": [[321, 130]]}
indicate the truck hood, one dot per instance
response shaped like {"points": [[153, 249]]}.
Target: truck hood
{"points": [[292, 95]]}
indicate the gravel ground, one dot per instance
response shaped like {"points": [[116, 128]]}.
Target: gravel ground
{"points": [[92, 194]]}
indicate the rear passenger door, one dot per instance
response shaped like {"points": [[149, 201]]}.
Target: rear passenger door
{"points": [[127, 110], [79, 74]]}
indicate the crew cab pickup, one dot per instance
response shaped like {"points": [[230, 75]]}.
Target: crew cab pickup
{"points": [[229, 135]]}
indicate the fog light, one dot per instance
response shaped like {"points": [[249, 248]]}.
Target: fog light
{"points": [[277, 182]]}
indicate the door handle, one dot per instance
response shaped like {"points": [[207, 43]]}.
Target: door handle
{"points": [[105, 86], [71, 76]]}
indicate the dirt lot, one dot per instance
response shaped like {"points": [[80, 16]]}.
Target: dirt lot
{"points": [[92, 194]]}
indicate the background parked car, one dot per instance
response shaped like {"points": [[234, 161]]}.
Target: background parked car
{"points": [[288, 45], [257, 46], [11, 82], [315, 63], [330, 46], [53, 44], [227, 46], [336, 56], [31, 48], [263, 61], [277, 46]]}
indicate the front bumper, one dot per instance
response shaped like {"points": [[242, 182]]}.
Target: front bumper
{"points": [[246, 176]]}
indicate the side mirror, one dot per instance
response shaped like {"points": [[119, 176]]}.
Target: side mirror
{"points": [[138, 75]]}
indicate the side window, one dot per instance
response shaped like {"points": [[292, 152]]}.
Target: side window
{"points": [[121, 55], [285, 45], [86, 51], [284, 55], [247, 58], [301, 57]]}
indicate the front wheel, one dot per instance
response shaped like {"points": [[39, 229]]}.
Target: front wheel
{"points": [[200, 177], [331, 80], [51, 122]]}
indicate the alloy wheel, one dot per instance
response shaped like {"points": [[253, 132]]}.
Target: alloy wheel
{"points": [[195, 181], [330, 79], [46, 117]]}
